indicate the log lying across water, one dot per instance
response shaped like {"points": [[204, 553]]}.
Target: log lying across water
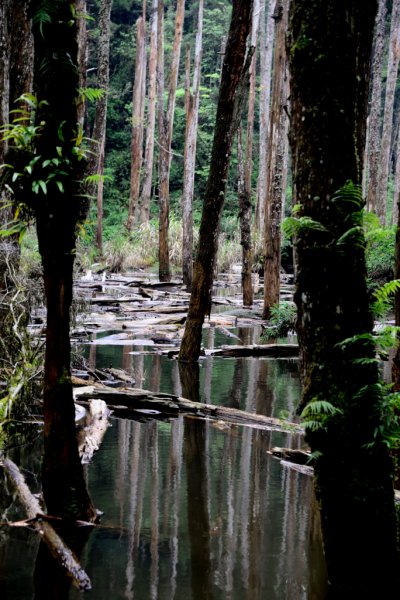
{"points": [[275, 350], [64, 555], [135, 402]]}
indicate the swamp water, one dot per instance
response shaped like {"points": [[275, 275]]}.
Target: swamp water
{"points": [[193, 509]]}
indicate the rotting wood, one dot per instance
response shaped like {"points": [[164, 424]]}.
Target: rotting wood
{"points": [[134, 398], [93, 434], [59, 550]]}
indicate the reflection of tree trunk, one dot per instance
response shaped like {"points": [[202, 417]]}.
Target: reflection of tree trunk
{"points": [[197, 507], [155, 377], [134, 477], [265, 396], [235, 392], [154, 575]]}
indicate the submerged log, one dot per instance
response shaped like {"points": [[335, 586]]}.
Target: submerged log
{"points": [[135, 399], [58, 549], [275, 350]]}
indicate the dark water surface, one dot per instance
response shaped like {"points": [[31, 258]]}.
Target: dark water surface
{"points": [[192, 509]]}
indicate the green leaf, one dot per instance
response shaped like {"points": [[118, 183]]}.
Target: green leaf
{"points": [[43, 186], [60, 186]]}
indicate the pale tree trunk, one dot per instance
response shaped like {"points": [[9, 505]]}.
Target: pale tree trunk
{"points": [[100, 119], [192, 113], [392, 70], [277, 164], [267, 32], [151, 120], [234, 78], [245, 205], [137, 121], [100, 190], [165, 127], [396, 196], [374, 119]]}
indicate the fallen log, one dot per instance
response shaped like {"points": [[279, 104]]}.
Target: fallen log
{"points": [[275, 350], [300, 457], [58, 549], [90, 438], [135, 399]]}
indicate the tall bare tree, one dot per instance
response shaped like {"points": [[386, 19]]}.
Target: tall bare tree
{"points": [[192, 113], [234, 79], [277, 163], [373, 145], [165, 128], [96, 164], [267, 32], [386, 144], [151, 119], [137, 121]]}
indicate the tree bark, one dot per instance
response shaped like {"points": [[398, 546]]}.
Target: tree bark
{"points": [[245, 223], [277, 163], [374, 119], [192, 115], [234, 77], [165, 128], [137, 121], [57, 213], [267, 33], [330, 49], [386, 144], [100, 119], [82, 58], [151, 120]]}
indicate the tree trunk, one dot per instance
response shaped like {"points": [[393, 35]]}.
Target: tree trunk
{"points": [[267, 32], [151, 120], [100, 119], [277, 163], [245, 224], [329, 49], [374, 120], [245, 203], [82, 58], [137, 121], [57, 214], [192, 115], [232, 90], [386, 144], [165, 128]]}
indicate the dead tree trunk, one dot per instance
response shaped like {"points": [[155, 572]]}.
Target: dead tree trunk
{"points": [[232, 90], [192, 113], [392, 70], [151, 120], [267, 32], [277, 164], [374, 119], [165, 128], [137, 121], [245, 203], [100, 119]]}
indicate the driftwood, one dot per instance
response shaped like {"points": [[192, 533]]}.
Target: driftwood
{"points": [[134, 402], [92, 435], [300, 457], [275, 350], [64, 555]]}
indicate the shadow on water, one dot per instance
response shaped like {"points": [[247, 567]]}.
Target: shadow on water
{"points": [[194, 509]]}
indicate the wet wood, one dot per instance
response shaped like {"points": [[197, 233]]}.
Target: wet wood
{"points": [[274, 350], [133, 399], [62, 554], [92, 435], [300, 457]]}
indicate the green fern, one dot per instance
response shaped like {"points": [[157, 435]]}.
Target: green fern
{"points": [[293, 226]]}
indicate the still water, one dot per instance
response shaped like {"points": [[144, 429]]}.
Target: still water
{"points": [[192, 509]]}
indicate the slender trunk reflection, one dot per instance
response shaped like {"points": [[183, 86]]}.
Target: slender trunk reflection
{"points": [[197, 477]]}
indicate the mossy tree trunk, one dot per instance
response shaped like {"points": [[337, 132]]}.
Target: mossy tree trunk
{"points": [[330, 49], [231, 94], [57, 212]]}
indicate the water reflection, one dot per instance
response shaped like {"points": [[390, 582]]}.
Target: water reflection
{"points": [[195, 512]]}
